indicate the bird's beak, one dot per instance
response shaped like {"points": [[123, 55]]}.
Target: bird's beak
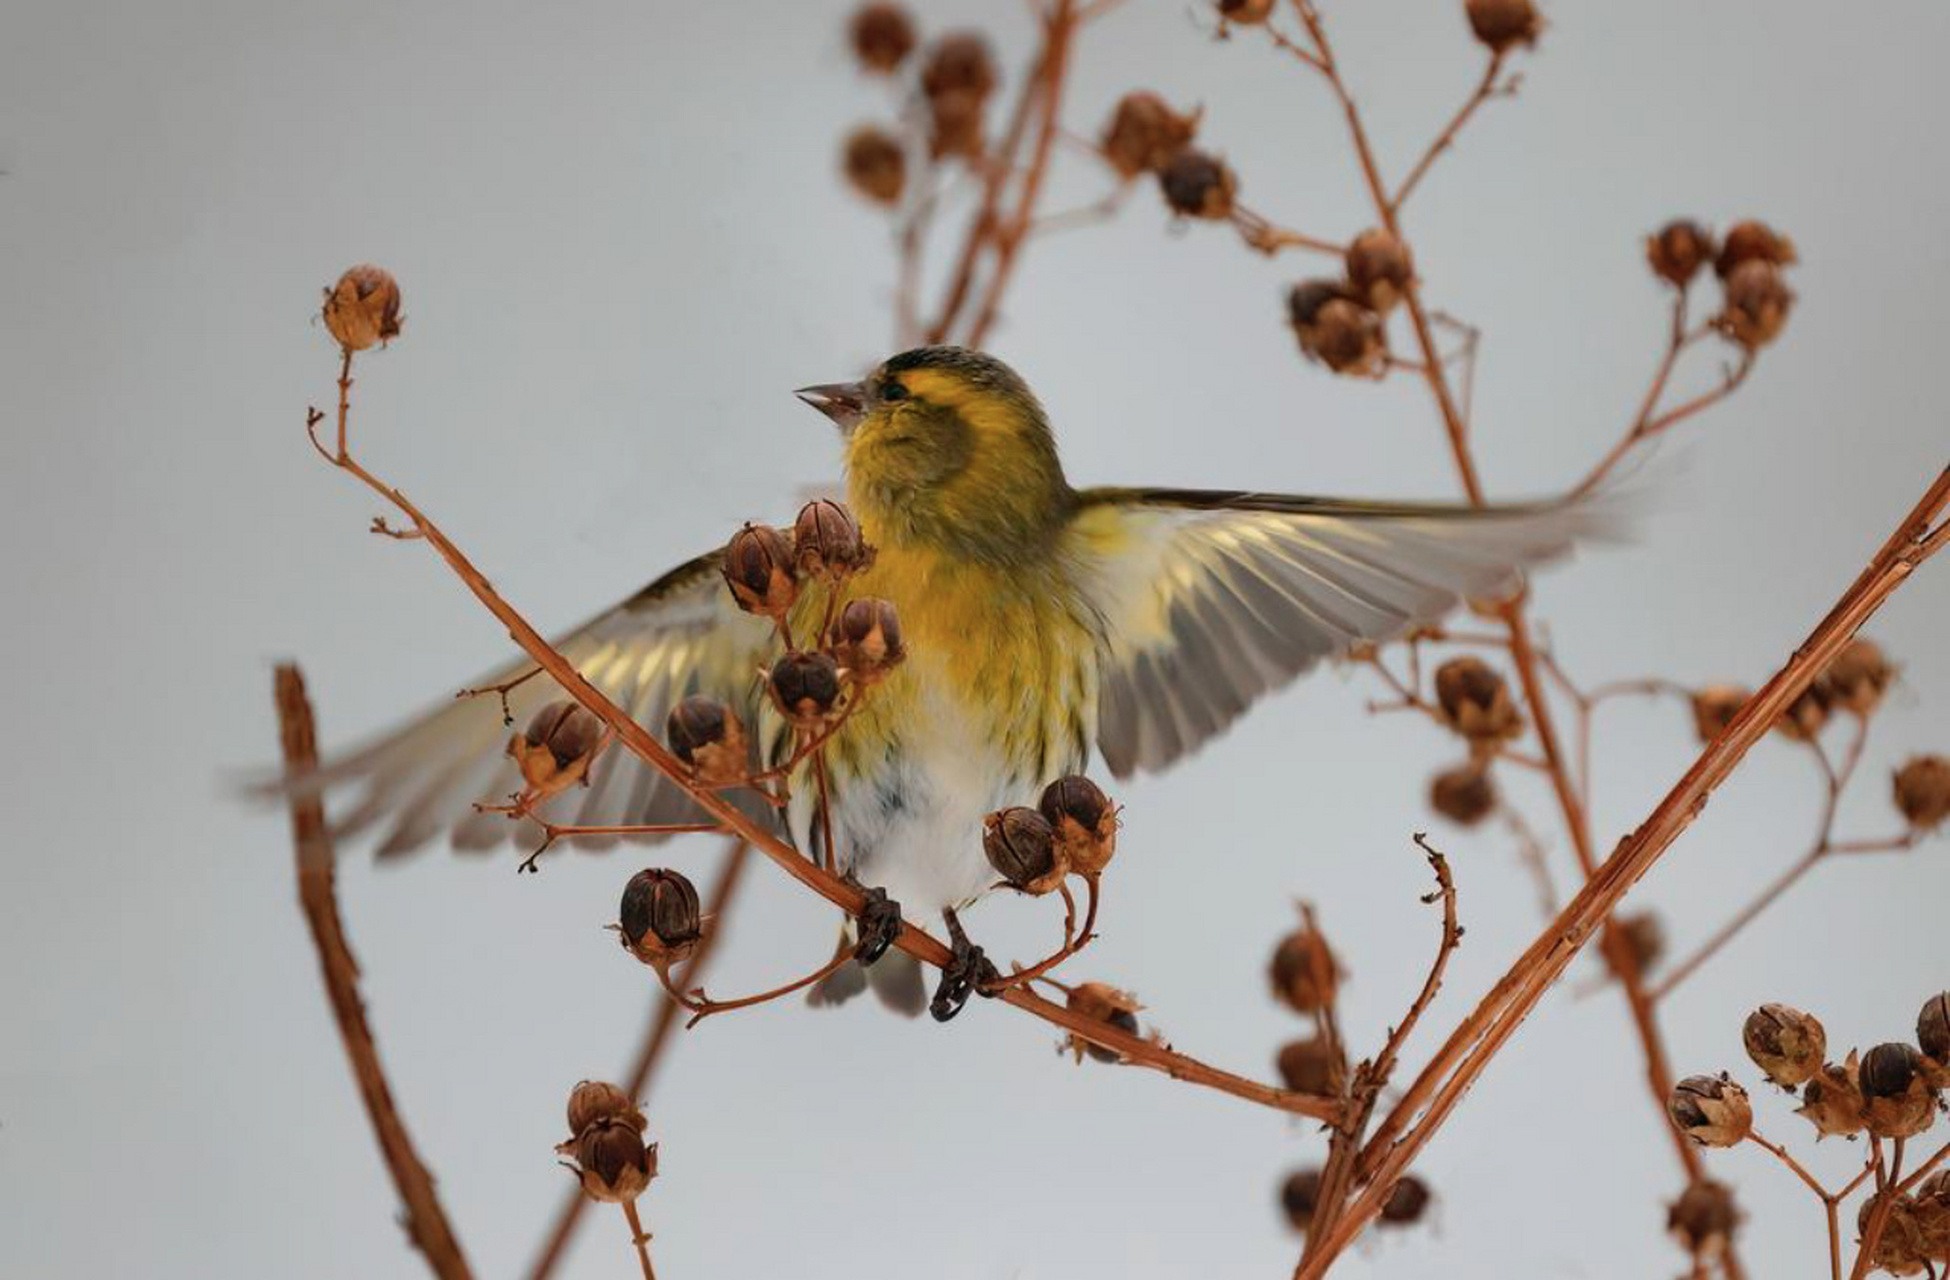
{"points": [[844, 402]]}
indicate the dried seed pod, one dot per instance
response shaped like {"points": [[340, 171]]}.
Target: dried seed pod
{"points": [[1144, 132], [1785, 1043], [1711, 1110], [1084, 820], [1100, 1002], [1406, 1203], [1504, 24], [1678, 250], [1704, 1217], [1346, 337], [1714, 708], [363, 307], [1198, 185], [1022, 848], [1930, 1204], [867, 639], [955, 125], [1246, 13], [593, 1100], [706, 735], [612, 1161], [1933, 1028], [1904, 1247], [660, 918], [1313, 1066], [758, 567], [826, 540], [1753, 241], [1645, 938], [1463, 794], [1299, 1195], [1832, 1100], [1379, 269], [882, 36], [1858, 677], [1757, 304], [806, 687], [875, 164], [1802, 719], [1305, 300], [1922, 788], [1897, 1099], [1303, 971], [959, 62], [555, 750], [1475, 701]]}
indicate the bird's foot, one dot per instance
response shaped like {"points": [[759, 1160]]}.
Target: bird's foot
{"points": [[879, 923], [966, 974]]}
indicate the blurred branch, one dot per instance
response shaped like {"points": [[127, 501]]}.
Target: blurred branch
{"points": [[426, 1224]]}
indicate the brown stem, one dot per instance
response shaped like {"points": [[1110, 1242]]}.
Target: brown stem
{"points": [[640, 1238], [317, 864], [1485, 89], [657, 1036], [1885, 1197], [702, 1006], [1828, 1199]]}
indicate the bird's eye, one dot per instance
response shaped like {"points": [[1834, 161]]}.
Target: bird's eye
{"points": [[892, 390]]}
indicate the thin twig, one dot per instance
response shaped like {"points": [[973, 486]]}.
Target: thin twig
{"points": [[1486, 88], [317, 864], [640, 1238]]}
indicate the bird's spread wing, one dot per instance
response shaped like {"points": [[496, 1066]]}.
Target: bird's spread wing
{"points": [[680, 635], [1210, 599]]}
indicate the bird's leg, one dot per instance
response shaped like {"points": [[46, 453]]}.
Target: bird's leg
{"points": [[879, 922], [964, 975]]}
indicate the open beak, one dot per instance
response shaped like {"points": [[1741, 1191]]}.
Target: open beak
{"points": [[844, 402]]}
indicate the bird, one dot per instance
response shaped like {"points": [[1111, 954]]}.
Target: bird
{"points": [[1041, 622]]}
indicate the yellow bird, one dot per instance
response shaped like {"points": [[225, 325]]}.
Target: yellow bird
{"points": [[1039, 620]]}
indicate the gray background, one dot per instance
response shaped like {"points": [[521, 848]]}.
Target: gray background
{"points": [[622, 242]]}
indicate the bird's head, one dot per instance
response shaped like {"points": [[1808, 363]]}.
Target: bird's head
{"points": [[947, 449]]}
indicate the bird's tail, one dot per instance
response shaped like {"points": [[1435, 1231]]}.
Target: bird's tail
{"points": [[895, 979]]}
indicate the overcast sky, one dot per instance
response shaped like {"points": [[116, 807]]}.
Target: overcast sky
{"points": [[622, 243]]}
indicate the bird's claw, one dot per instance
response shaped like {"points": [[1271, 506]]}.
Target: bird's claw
{"points": [[968, 972], [880, 924]]}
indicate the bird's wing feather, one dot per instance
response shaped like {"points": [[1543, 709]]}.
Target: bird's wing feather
{"points": [[680, 635], [1210, 599]]}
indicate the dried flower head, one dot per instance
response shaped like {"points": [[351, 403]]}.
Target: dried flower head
{"points": [[875, 163], [1711, 1110], [1244, 12], [1757, 304], [593, 1100], [1904, 1247], [1930, 1205], [1346, 337], [1299, 1195], [882, 36], [1144, 132], [956, 125], [826, 540], [1785, 1043], [1313, 1065], [1704, 1217], [1644, 935], [959, 62], [1475, 701], [1504, 24], [1303, 971], [1198, 185], [1832, 1100], [1714, 708], [363, 307], [1022, 848], [1379, 269], [1753, 241], [706, 735], [1802, 719], [1933, 1028], [1858, 677], [1678, 250], [1100, 1002], [758, 567], [1922, 788], [612, 1161], [660, 919], [1897, 1099], [1463, 794], [1084, 820], [555, 750], [1406, 1203], [866, 639], [805, 687]]}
